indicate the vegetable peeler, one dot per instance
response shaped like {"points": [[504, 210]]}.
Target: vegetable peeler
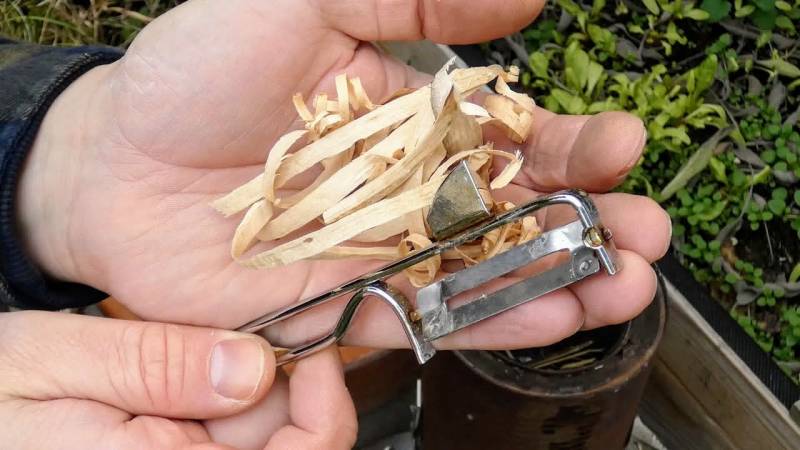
{"points": [[457, 216]]}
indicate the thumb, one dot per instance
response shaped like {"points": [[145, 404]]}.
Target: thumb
{"points": [[140, 367]]}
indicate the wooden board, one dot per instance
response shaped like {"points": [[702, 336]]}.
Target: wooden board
{"points": [[702, 396]]}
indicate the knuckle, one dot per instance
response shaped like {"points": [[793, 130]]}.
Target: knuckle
{"points": [[153, 363]]}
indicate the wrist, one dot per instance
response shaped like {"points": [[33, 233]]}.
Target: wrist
{"points": [[51, 180]]}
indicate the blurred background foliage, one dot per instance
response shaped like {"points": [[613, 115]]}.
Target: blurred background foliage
{"points": [[716, 82], [72, 22]]}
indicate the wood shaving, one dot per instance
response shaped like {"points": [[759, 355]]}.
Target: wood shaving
{"points": [[381, 167]]}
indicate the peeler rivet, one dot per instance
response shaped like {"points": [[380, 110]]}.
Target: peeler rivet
{"points": [[593, 238], [584, 267], [415, 316]]}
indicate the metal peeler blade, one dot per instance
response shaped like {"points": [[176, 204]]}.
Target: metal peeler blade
{"points": [[459, 215]]}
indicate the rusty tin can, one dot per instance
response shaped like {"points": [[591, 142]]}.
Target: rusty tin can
{"points": [[580, 394]]}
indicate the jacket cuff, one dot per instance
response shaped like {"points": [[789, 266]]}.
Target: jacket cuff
{"points": [[31, 77]]}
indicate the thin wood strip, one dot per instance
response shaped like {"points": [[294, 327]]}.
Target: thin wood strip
{"points": [[371, 216]]}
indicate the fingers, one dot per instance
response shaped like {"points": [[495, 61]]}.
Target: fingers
{"points": [[160, 433], [73, 424], [322, 412], [252, 428], [139, 367], [594, 153], [442, 21], [638, 223], [544, 321], [609, 300]]}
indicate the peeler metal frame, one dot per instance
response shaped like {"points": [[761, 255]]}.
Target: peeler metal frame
{"points": [[459, 215]]}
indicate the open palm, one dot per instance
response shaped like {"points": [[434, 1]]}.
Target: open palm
{"points": [[190, 111]]}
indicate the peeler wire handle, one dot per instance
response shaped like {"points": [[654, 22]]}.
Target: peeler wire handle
{"points": [[388, 294]]}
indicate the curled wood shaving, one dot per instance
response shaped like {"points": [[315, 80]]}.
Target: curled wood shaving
{"points": [[256, 217], [423, 273], [274, 159], [326, 237], [510, 116], [381, 167]]}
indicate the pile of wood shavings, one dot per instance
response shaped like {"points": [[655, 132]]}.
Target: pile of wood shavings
{"points": [[380, 172]]}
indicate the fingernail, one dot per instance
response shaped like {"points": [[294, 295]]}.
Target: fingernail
{"points": [[236, 368]]}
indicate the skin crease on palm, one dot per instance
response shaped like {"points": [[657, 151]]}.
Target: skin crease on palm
{"points": [[138, 149]]}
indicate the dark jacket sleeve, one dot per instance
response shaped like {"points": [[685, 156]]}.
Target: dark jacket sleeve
{"points": [[31, 77]]}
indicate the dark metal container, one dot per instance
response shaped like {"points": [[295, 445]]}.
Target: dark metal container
{"points": [[580, 394]]}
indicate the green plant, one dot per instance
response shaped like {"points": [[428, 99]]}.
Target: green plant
{"points": [[70, 22], [719, 104]]}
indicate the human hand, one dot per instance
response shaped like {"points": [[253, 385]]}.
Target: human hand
{"points": [[78, 382], [189, 113]]}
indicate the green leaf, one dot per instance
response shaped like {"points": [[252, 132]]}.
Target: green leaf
{"points": [[780, 193], [672, 35], [745, 11], [652, 6], [597, 6], [539, 63], [761, 177], [765, 5], [794, 277], [781, 66], [576, 63], [722, 42], [698, 14], [678, 134], [718, 170], [603, 38], [702, 77], [694, 165], [635, 29], [570, 6], [776, 205], [714, 212], [784, 23], [594, 74], [797, 197], [716, 9], [571, 104], [764, 18], [783, 6]]}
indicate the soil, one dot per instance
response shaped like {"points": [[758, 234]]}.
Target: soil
{"points": [[774, 247]]}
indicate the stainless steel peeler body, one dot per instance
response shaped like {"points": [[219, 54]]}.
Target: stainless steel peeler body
{"points": [[458, 215]]}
